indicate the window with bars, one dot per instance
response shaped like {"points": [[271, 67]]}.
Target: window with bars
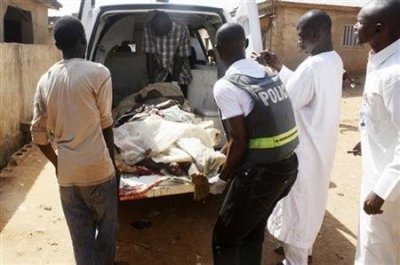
{"points": [[349, 37]]}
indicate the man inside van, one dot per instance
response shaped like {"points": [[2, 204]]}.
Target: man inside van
{"points": [[167, 46], [73, 103], [260, 162]]}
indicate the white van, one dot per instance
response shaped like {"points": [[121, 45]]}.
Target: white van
{"points": [[112, 23]]}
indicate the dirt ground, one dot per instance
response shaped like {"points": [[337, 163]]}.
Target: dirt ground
{"points": [[175, 230]]}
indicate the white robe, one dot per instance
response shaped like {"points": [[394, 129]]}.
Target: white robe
{"points": [[315, 89], [379, 235]]}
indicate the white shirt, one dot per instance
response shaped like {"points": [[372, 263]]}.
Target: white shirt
{"points": [[231, 100], [379, 235], [73, 102], [315, 89], [380, 123]]}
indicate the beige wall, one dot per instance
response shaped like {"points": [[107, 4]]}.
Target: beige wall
{"points": [[21, 66], [39, 18], [282, 38]]}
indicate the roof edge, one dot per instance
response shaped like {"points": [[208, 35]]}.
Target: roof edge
{"points": [[315, 5], [51, 4]]}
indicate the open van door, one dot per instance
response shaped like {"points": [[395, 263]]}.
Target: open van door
{"points": [[247, 16], [86, 16], [109, 23]]}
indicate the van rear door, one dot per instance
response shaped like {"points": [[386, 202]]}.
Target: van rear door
{"points": [[247, 16]]}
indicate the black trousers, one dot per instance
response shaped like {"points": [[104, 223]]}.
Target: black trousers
{"points": [[252, 195]]}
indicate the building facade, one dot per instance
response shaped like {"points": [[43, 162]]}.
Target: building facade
{"points": [[25, 55], [278, 24]]}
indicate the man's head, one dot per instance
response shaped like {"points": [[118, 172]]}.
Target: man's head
{"points": [[231, 43], [160, 24], [70, 36], [314, 31], [378, 23]]}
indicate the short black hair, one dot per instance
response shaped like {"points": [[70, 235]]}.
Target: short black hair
{"points": [[68, 31], [228, 33], [386, 11], [316, 20]]}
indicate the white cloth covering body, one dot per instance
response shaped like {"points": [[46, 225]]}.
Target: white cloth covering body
{"points": [[315, 89], [379, 235]]}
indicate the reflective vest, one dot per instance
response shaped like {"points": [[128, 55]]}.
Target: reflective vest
{"points": [[271, 126]]}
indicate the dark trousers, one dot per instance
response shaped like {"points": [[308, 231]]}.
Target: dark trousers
{"points": [[92, 218], [252, 195]]}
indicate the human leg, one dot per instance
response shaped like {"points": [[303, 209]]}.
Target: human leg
{"points": [[294, 255], [81, 225], [233, 223], [104, 204], [252, 195], [238, 220]]}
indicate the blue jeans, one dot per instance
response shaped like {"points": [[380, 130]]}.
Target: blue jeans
{"points": [[239, 231], [92, 217]]}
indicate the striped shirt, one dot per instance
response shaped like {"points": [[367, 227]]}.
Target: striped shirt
{"points": [[175, 43]]}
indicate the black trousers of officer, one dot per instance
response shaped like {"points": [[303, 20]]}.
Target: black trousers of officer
{"points": [[252, 195]]}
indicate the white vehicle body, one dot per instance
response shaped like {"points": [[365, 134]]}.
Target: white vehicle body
{"points": [[108, 23]]}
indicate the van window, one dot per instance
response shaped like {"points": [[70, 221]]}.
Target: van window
{"points": [[119, 41]]}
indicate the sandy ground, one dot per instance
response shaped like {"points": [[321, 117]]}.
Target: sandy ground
{"points": [[33, 228]]}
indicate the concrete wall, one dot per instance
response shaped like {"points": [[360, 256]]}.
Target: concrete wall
{"points": [[21, 66], [282, 37], [39, 18]]}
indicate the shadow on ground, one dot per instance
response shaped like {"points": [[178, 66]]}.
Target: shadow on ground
{"points": [[19, 177], [168, 230], [176, 230], [332, 246]]}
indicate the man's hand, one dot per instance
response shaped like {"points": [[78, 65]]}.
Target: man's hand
{"points": [[268, 58], [373, 204], [217, 185], [356, 150]]}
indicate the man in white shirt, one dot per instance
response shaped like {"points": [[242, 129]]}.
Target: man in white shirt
{"points": [[73, 102], [315, 89], [261, 131], [379, 227]]}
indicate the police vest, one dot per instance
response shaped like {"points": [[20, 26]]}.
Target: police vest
{"points": [[271, 126]]}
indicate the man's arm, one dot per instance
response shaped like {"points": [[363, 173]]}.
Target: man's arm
{"points": [[237, 146], [150, 49], [39, 127], [49, 153], [150, 67], [176, 71], [388, 185], [109, 138], [104, 101], [182, 53]]}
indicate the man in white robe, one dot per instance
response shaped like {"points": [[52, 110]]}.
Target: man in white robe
{"points": [[379, 227], [315, 89]]}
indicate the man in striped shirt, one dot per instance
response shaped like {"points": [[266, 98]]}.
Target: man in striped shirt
{"points": [[167, 46]]}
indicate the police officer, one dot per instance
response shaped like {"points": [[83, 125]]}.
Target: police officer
{"points": [[261, 130]]}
